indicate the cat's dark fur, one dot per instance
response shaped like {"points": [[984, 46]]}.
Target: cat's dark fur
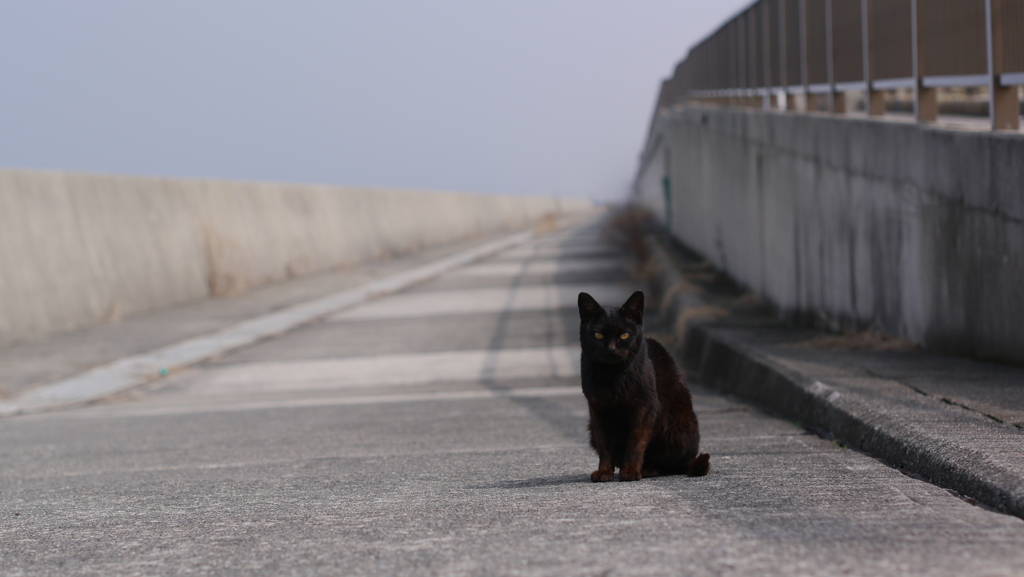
{"points": [[641, 415]]}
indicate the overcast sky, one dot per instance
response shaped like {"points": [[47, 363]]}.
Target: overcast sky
{"points": [[544, 97]]}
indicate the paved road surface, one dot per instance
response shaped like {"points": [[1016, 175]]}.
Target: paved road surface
{"points": [[441, 431]]}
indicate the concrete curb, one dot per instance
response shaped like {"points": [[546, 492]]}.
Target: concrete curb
{"points": [[897, 433], [139, 369]]}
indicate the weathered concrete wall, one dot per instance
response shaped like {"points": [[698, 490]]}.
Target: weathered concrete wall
{"points": [[854, 222], [76, 249]]}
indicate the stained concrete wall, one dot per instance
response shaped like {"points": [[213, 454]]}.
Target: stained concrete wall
{"points": [[77, 249], [913, 229]]}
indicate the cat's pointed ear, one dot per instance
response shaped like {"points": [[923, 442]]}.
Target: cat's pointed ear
{"points": [[588, 307], [633, 309]]}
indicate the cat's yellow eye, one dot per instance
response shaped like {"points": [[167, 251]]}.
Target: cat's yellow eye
{"points": [[599, 335], [624, 336]]}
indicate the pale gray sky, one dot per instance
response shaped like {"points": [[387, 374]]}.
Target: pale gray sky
{"points": [[527, 97]]}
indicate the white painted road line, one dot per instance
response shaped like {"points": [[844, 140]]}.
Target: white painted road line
{"points": [[138, 369], [486, 300], [386, 370]]}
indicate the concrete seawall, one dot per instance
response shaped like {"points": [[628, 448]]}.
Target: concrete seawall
{"points": [[78, 249], [852, 223]]}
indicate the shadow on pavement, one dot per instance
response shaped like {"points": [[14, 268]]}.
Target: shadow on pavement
{"points": [[537, 482]]}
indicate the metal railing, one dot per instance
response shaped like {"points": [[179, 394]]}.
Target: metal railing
{"points": [[777, 50]]}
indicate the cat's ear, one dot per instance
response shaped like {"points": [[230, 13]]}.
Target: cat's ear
{"points": [[588, 307], [633, 309]]}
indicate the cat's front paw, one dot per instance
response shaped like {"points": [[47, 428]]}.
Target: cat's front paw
{"points": [[601, 476], [630, 475]]}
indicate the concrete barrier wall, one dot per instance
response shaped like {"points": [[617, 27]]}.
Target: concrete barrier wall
{"points": [[77, 249], [852, 223]]}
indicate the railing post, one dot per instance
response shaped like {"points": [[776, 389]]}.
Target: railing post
{"points": [[787, 101], [926, 104], [810, 100], [836, 101], [748, 80], [874, 99], [752, 99], [743, 74], [738, 34], [766, 46], [1003, 105]]}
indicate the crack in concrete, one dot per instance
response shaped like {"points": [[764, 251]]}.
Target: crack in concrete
{"points": [[944, 400]]}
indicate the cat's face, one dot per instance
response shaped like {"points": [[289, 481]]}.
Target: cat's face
{"points": [[611, 334]]}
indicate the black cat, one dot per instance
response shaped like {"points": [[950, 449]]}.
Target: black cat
{"points": [[641, 415]]}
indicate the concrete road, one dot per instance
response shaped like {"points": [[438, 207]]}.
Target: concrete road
{"points": [[441, 431]]}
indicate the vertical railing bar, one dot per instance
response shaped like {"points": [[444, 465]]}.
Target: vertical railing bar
{"points": [[783, 68], [915, 57], [735, 60], [739, 60], [865, 39], [766, 45], [925, 100], [993, 74], [783, 91], [874, 100], [729, 58], [751, 58], [1004, 104], [741, 41], [922, 96], [804, 66], [829, 57]]}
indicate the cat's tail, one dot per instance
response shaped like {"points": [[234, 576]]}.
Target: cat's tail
{"points": [[699, 466]]}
